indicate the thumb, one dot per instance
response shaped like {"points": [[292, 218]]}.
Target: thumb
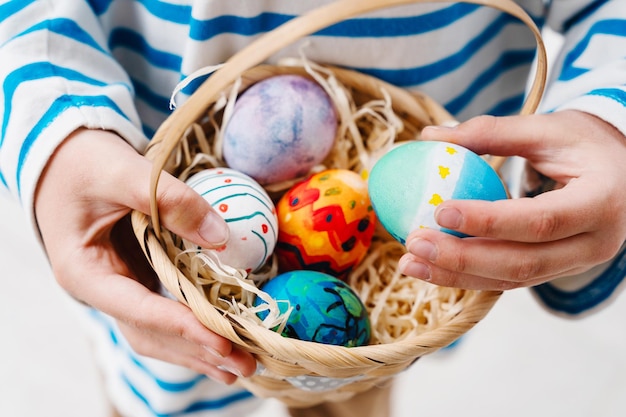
{"points": [[184, 212], [504, 136], [181, 209]]}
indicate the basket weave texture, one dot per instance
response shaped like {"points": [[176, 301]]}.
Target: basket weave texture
{"points": [[410, 318]]}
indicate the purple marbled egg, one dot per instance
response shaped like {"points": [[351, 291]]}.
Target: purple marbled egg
{"points": [[280, 128]]}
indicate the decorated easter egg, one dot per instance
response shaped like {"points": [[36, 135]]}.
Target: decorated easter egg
{"points": [[324, 309], [248, 211], [280, 128], [326, 223], [408, 183]]}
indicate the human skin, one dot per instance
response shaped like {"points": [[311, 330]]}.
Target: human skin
{"points": [[95, 178], [527, 241], [84, 198]]}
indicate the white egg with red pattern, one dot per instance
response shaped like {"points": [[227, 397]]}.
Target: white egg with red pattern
{"points": [[247, 209]]}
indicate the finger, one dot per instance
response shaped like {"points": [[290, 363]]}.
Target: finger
{"points": [[505, 136], [177, 352], [201, 359], [184, 212], [181, 209], [239, 362], [425, 271], [160, 319], [143, 309], [215, 372], [551, 216], [502, 260]]}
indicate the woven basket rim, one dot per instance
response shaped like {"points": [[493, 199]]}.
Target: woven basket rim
{"points": [[481, 300], [380, 361]]}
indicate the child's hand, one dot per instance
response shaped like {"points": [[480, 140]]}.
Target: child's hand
{"points": [[84, 198], [528, 241]]}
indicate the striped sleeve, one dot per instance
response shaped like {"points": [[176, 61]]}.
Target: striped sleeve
{"points": [[57, 76], [589, 73]]}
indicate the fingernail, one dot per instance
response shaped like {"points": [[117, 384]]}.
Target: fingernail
{"points": [[423, 248], [408, 266], [230, 370], [214, 229], [212, 351], [448, 217], [443, 128]]}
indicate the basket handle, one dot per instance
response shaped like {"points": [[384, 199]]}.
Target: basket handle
{"points": [[174, 127]]}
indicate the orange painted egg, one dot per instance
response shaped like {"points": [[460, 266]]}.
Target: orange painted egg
{"points": [[325, 223]]}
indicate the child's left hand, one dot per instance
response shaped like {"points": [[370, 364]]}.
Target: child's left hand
{"points": [[527, 241]]}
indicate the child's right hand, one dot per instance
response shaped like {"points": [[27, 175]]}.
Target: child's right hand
{"points": [[84, 198]]}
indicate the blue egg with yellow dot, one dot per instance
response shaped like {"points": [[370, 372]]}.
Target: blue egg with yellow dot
{"points": [[324, 309], [408, 183]]}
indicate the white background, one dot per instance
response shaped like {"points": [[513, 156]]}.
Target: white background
{"points": [[520, 361]]}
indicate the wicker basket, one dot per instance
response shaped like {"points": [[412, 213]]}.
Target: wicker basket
{"points": [[303, 373]]}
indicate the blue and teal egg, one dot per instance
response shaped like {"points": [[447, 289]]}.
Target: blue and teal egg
{"points": [[324, 308], [408, 183]]}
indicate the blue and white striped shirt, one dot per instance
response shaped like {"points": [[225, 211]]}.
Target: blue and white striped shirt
{"points": [[113, 64]]}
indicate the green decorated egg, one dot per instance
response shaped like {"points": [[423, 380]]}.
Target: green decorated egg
{"points": [[324, 308], [408, 183]]}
